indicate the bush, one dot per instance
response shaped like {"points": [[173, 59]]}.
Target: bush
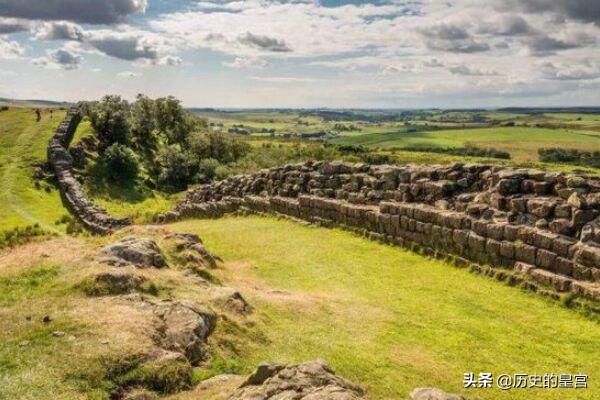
{"points": [[120, 163], [207, 169], [176, 169], [570, 156], [468, 151]]}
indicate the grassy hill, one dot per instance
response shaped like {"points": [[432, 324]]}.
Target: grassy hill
{"points": [[23, 144]]}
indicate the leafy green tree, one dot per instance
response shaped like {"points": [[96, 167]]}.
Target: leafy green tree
{"points": [[174, 122], [220, 146], [143, 125], [111, 120], [120, 163]]}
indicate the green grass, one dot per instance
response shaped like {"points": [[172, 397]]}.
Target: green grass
{"points": [[385, 318], [23, 144], [521, 142], [18, 287]]}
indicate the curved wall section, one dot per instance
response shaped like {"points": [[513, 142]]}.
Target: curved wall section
{"points": [[92, 217]]}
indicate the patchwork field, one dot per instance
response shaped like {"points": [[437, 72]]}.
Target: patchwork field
{"points": [[521, 142]]}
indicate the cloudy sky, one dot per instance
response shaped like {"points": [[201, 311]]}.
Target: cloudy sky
{"points": [[305, 53]]}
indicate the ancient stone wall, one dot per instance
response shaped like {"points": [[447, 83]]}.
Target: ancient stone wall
{"points": [[92, 217], [542, 224]]}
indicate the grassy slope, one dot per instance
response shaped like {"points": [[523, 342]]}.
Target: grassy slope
{"points": [[388, 319], [521, 142], [22, 144]]}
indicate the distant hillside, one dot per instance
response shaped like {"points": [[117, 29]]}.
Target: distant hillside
{"points": [[33, 103]]}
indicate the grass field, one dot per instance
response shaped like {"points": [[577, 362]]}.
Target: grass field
{"points": [[521, 142], [385, 318], [23, 144]]}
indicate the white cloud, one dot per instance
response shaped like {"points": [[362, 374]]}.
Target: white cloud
{"points": [[59, 59], [59, 31], [246, 63], [10, 49]]}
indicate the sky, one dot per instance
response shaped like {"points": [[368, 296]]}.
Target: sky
{"points": [[305, 53]]}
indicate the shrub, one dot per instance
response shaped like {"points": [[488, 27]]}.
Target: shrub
{"points": [[468, 151], [176, 169], [570, 156], [207, 169], [120, 163]]}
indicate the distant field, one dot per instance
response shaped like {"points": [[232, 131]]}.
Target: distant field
{"points": [[521, 142], [385, 318], [23, 144]]}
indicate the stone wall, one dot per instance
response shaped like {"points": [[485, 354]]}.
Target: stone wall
{"points": [[91, 216], [541, 224]]}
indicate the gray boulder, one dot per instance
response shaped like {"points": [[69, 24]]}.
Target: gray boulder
{"points": [[141, 252], [312, 380], [183, 327]]}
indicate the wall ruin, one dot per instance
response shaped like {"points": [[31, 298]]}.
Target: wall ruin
{"points": [[544, 225], [91, 216]]}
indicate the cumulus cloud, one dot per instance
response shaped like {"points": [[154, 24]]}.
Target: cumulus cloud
{"points": [[84, 11], [543, 45], [584, 71], [10, 49], [60, 59], [508, 25], [246, 63], [583, 10], [451, 38], [13, 25], [463, 69], [60, 31], [264, 43], [433, 63], [124, 45]]}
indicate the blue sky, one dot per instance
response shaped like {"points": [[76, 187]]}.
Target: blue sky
{"points": [[305, 53]]}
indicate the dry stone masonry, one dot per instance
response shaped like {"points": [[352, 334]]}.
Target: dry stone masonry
{"points": [[543, 225], [93, 217]]}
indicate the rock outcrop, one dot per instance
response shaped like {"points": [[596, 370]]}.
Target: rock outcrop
{"points": [[312, 380], [92, 217], [476, 213], [140, 252], [183, 327]]}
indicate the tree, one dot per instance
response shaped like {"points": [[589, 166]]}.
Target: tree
{"points": [[223, 148], [120, 163], [110, 120], [143, 125], [174, 122]]}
